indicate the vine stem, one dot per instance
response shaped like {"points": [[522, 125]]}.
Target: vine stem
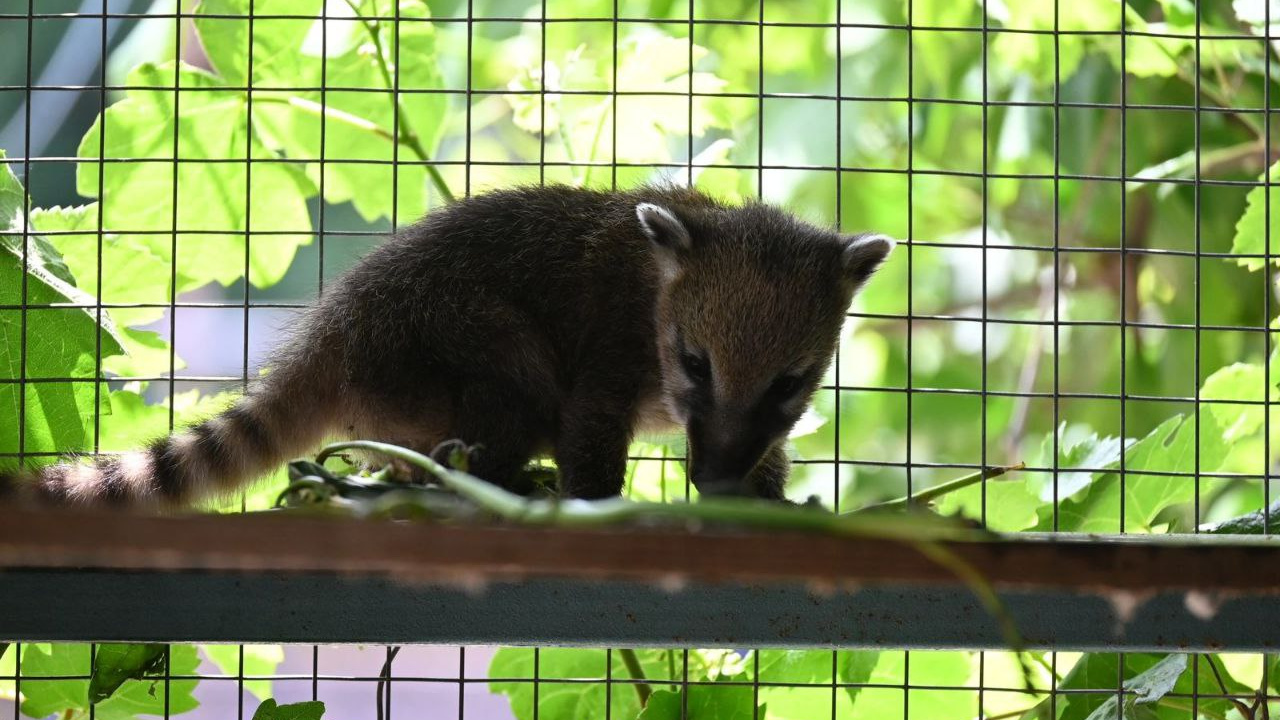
{"points": [[990, 600], [384, 676], [594, 513], [636, 670], [405, 132], [318, 110], [930, 494]]}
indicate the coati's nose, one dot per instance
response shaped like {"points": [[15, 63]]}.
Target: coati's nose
{"points": [[717, 486]]}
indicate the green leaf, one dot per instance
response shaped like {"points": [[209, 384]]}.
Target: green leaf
{"points": [[8, 668], [663, 705], [586, 700], [133, 269], [258, 660], [812, 667], [1147, 687], [655, 477], [1154, 55], [13, 199], [660, 63], [1243, 382], [269, 710], [1170, 448], [1010, 505], [1039, 55], [135, 697], [1149, 676], [1252, 229], [358, 126], [705, 702], [281, 54], [117, 663], [59, 342], [157, 199], [1091, 451], [949, 669]]}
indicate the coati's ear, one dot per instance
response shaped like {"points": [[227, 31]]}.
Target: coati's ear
{"points": [[669, 236], [863, 254], [662, 227]]}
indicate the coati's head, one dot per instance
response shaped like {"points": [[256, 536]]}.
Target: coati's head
{"points": [[750, 307]]}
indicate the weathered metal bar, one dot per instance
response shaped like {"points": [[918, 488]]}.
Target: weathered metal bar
{"points": [[277, 578]]}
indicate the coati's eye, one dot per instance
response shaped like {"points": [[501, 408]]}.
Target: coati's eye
{"points": [[786, 386], [696, 366]]}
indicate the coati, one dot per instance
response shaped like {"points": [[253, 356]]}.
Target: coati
{"points": [[536, 320]]}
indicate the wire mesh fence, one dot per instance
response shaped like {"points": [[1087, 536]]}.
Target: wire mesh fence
{"points": [[1085, 285]]}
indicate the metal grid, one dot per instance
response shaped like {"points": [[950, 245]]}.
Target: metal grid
{"points": [[383, 676]]}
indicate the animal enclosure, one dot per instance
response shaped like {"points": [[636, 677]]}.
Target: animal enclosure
{"points": [[1083, 286]]}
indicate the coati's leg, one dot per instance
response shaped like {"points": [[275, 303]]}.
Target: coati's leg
{"points": [[769, 478], [508, 426], [591, 449]]}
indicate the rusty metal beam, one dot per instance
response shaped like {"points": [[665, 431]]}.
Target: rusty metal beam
{"points": [[277, 578]]}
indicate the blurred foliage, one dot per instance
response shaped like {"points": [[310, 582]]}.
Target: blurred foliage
{"points": [[1004, 163]]}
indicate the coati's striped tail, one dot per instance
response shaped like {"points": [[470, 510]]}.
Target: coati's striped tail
{"points": [[272, 423]]}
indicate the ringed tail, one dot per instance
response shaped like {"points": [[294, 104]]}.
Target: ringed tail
{"points": [[282, 415]]}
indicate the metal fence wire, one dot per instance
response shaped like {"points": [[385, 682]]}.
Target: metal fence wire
{"points": [[1082, 190]]}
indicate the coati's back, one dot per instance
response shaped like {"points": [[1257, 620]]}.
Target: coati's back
{"points": [[531, 321]]}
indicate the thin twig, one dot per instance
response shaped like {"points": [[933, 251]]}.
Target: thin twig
{"points": [[643, 691], [930, 494], [1244, 709], [1030, 367]]}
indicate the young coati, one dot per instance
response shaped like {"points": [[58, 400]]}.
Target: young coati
{"points": [[537, 320]]}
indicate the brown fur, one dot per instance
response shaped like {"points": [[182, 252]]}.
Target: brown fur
{"points": [[537, 320]]}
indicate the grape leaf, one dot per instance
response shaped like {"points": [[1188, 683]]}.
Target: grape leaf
{"points": [[1252, 229], [812, 667], [705, 702], [59, 342], [135, 697], [358, 126], [1150, 676], [1170, 448], [586, 700], [116, 663], [210, 200], [1238, 381], [1146, 687]]}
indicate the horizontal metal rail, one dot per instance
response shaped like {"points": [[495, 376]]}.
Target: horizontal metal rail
{"points": [[284, 578]]}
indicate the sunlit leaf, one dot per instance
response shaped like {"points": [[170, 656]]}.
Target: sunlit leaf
{"points": [[210, 200], [1253, 229]]}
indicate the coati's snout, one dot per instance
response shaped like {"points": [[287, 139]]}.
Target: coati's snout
{"points": [[749, 310]]}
